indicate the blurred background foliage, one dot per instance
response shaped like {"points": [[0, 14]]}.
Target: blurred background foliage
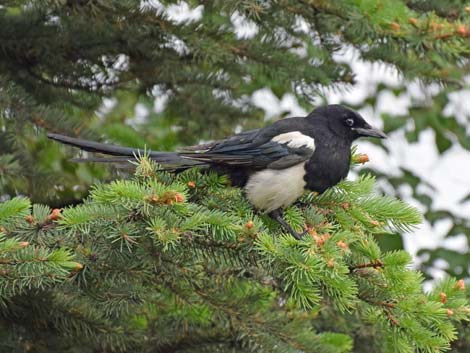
{"points": [[166, 74]]}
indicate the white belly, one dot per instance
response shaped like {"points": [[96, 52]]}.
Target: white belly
{"points": [[271, 189]]}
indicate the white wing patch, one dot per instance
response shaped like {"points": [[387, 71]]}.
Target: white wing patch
{"points": [[295, 139], [271, 189]]}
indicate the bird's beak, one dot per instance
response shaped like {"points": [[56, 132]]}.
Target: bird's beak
{"points": [[370, 132]]}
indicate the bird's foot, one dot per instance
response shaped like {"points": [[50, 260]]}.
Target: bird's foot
{"points": [[277, 216], [297, 235]]}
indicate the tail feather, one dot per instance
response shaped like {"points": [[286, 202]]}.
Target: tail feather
{"points": [[92, 146], [118, 159], [172, 159]]}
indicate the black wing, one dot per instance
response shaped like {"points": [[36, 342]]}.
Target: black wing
{"points": [[278, 146]]}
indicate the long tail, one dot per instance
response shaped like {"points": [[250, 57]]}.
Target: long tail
{"points": [[170, 159]]}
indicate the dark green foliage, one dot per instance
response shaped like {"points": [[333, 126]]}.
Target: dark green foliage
{"points": [[182, 264]]}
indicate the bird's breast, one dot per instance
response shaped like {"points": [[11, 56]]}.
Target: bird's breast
{"points": [[270, 189], [327, 168]]}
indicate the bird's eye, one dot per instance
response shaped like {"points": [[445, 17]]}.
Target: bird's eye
{"points": [[349, 122]]}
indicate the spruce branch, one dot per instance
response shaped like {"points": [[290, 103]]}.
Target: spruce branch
{"points": [[162, 257]]}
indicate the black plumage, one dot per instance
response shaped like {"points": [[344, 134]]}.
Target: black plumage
{"points": [[273, 164]]}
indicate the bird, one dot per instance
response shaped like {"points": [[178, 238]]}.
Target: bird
{"points": [[273, 165]]}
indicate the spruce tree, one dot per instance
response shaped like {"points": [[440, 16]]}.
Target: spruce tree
{"points": [[182, 263]]}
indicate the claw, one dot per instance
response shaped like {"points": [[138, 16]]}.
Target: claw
{"points": [[297, 235], [277, 216]]}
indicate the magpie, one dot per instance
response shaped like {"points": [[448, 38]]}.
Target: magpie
{"points": [[274, 165]]}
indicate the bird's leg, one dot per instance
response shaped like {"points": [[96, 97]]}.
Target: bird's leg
{"points": [[277, 216]]}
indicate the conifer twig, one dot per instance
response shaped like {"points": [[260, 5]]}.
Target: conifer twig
{"points": [[385, 306], [374, 264]]}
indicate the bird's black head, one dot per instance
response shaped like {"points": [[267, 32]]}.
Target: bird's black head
{"points": [[344, 122]]}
